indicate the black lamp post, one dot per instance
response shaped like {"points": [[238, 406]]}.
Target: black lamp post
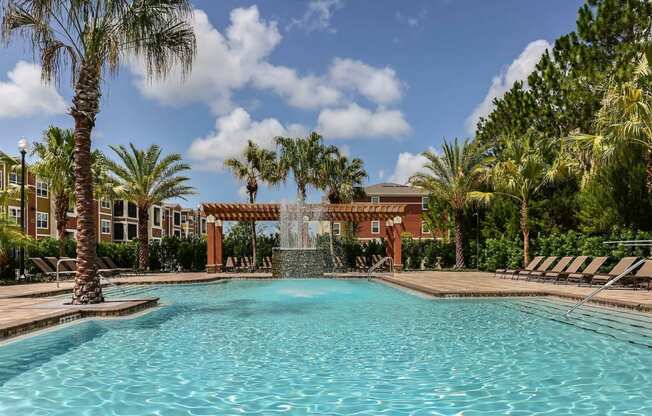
{"points": [[22, 146]]}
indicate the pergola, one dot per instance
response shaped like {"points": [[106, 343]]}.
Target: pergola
{"points": [[388, 213]]}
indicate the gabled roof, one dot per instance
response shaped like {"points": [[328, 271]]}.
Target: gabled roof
{"points": [[393, 189]]}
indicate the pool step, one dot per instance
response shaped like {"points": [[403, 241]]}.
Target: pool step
{"points": [[126, 291], [631, 327]]}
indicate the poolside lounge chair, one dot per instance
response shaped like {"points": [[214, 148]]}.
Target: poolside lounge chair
{"points": [[575, 265], [504, 273], [544, 266], [618, 269], [644, 273], [585, 274], [337, 263], [46, 270], [361, 263], [111, 265], [561, 265]]}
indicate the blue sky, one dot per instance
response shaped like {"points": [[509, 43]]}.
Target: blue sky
{"points": [[383, 79]]}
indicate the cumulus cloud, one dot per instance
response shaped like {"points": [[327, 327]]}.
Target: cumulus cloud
{"points": [[516, 71], [380, 85], [407, 164], [317, 16], [358, 122], [223, 63], [232, 131], [25, 94]]}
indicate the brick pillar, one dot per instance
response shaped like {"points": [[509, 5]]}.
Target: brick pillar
{"points": [[398, 261], [389, 236], [218, 246], [210, 244]]}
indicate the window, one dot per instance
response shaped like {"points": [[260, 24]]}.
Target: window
{"points": [[42, 189], [203, 225], [2, 179], [105, 204], [157, 216], [132, 231], [336, 228], [177, 218], [119, 209], [42, 219], [118, 232], [177, 233], [424, 228], [105, 227], [183, 218], [15, 177], [375, 227], [424, 203], [132, 210], [14, 214], [375, 199]]}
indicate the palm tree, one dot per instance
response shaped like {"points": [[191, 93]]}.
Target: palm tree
{"points": [[523, 171], [11, 237], [92, 37], [623, 124], [256, 165], [341, 179], [452, 179], [146, 178], [303, 157]]}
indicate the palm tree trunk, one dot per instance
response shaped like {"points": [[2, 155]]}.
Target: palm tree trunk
{"points": [[252, 199], [648, 170], [525, 229], [143, 237], [61, 216], [85, 106], [459, 240]]}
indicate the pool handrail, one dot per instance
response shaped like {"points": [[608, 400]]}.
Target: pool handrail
{"points": [[380, 263]]}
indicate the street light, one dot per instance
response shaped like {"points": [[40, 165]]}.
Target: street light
{"points": [[22, 146]]}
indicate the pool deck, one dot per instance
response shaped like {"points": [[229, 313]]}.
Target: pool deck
{"points": [[29, 307]]}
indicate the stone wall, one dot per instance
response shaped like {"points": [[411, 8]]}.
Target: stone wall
{"points": [[289, 263]]}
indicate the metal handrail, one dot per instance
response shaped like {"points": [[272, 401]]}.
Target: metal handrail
{"points": [[380, 263], [605, 286], [59, 262], [108, 282]]}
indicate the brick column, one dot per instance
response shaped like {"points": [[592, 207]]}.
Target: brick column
{"points": [[398, 261], [210, 244], [218, 246], [389, 235]]}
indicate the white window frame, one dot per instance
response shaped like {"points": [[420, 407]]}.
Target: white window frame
{"points": [[2, 178], [42, 189], [17, 213], [375, 199], [160, 217], [375, 223], [424, 203], [184, 218], [337, 228], [104, 222], [17, 177], [105, 203], [424, 228], [39, 220]]}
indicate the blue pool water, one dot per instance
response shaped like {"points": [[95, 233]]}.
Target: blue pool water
{"points": [[328, 347]]}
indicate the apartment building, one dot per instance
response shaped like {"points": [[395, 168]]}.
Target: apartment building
{"points": [[117, 221]]}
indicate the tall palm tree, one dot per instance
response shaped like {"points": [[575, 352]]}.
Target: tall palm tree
{"points": [[146, 178], [341, 179], [521, 172], [55, 166], [92, 37], [256, 165], [303, 157], [453, 179], [623, 124]]}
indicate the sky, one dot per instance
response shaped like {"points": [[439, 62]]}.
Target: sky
{"points": [[383, 80]]}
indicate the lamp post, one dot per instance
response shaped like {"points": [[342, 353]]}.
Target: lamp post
{"points": [[477, 240], [22, 146]]}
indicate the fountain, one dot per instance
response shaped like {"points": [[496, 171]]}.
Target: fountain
{"points": [[298, 254]]}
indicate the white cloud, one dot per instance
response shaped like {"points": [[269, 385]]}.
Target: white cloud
{"points": [[25, 94], [381, 174], [380, 85], [223, 63], [412, 21], [407, 164], [517, 71], [232, 131], [317, 16], [357, 122]]}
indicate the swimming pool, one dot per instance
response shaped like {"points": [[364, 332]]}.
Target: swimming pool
{"points": [[332, 347]]}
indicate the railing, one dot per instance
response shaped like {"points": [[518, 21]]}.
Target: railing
{"points": [[628, 243], [61, 260], [380, 263], [106, 280]]}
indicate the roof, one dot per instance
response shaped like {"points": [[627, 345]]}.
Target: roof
{"points": [[271, 212], [393, 189]]}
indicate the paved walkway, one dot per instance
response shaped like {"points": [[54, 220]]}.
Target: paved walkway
{"points": [[477, 284]]}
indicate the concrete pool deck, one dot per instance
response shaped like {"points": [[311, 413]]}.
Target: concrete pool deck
{"points": [[30, 307]]}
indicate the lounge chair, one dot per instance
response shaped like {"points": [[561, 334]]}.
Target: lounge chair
{"points": [[561, 265], [585, 274], [544, 266], [337, 263], [644, 273], [361, 263], [229, 265], [47, 270], [111, 265], [504, 273], [575, 265], [267, 262], [619, 268]]}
